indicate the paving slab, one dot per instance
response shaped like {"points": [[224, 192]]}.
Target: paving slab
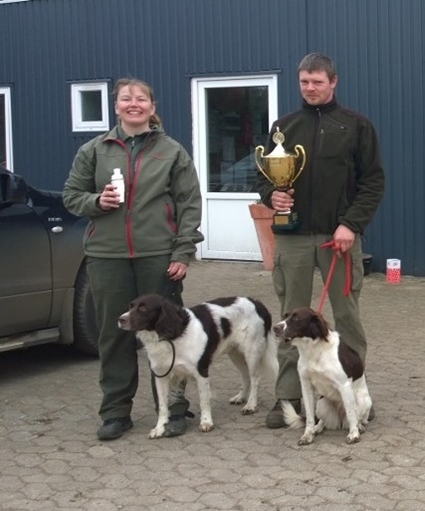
{"points": [[50, 458]]}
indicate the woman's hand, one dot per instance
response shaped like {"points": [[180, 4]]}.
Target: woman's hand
{"points": [[109, 198], [177, 271]]}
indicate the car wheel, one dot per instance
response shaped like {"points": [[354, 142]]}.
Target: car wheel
{"points": [[85, 327]]}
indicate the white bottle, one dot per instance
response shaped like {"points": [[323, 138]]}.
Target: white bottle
{"points": [[118, 181]]}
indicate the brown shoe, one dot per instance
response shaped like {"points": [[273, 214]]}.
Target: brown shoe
{"points": [[275, 417]]}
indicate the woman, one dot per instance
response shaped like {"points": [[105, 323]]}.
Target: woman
{"points": [[141, 246]]}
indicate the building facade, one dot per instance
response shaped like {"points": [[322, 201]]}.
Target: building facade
{"points": [[222, 71]]}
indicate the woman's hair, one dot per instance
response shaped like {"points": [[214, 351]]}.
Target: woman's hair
{"points": [[134, 82], [317, 62]]}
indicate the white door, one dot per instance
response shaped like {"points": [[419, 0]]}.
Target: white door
{"points": [[231, 116], [6, 156]]}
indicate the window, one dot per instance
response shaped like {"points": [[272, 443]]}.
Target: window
{"points": [[90, 108]]}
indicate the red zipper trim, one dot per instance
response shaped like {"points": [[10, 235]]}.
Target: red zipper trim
{"points": [[129, 195], [170, 221]]}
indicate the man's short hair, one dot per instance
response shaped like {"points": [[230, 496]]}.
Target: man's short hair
{"points": [[317, 62]]}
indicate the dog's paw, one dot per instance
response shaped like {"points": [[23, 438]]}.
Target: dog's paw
{"points": [[249, 410], [157, 432], [353, 438], [206, 426], [319, 427], [306, 439], [239, 399], [362, 428]]}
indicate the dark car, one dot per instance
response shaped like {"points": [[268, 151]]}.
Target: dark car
{"points": [[44, 289]]}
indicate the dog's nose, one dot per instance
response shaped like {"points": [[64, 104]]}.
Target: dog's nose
{"points": [[277, 329], [123, 321]]}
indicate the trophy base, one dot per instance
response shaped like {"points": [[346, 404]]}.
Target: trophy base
{"points": [[285, 222]]}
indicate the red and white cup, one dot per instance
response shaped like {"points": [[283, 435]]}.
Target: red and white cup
{"points": [[393, 271]]}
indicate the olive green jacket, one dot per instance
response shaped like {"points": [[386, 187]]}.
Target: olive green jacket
{"points": [[162, 211], [343, 180]]}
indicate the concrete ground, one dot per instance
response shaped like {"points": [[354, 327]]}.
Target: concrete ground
{"points": [[50, 458]]}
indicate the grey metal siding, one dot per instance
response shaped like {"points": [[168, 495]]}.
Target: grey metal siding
{"points": [[378, 46], [379, 49]]}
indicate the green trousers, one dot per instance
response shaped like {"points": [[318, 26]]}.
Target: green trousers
{"points": [[295, 259], [114, 284]]}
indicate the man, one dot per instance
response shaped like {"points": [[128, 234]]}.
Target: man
{"points": [[335, 197]]}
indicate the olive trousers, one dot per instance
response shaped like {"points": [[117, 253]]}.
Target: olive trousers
{"points": [[114, 284], [295, 260]]}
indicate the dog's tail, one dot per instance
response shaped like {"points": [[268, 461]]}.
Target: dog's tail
{"points": [[269, 361], [291, 417]]}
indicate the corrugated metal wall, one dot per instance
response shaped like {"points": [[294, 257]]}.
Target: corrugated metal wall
{"points": [[378, 46]]}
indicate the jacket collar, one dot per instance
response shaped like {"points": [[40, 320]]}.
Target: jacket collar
{"points": [[118, 133], [322, 109]]}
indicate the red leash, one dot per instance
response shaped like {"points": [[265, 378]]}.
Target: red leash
{"points": [[347, 283]]}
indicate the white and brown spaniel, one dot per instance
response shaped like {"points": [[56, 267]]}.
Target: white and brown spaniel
{"points": [[238, 326], [333, 383]]}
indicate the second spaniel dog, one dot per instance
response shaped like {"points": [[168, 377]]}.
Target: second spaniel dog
{"points": [[333, 383]]}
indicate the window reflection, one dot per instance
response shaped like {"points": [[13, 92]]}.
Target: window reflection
{"points": [[91, 105], [237, 121]]}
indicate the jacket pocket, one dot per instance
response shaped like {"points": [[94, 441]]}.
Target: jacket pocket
{"points": [[356, 255], [333, 139]]}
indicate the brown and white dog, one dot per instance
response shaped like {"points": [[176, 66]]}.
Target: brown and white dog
{"points": [[238, 326], [330, 372]]}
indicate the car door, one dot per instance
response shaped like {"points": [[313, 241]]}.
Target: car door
{"points": [[25, 270]]}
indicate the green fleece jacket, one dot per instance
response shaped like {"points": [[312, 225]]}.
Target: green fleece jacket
{"points": [[162, 210], [343, 180]]}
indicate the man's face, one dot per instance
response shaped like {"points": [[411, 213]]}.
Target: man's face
{"points": [[316, 88]]}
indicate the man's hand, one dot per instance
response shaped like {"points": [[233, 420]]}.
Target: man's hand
{"points": [[344, 239], [282, 201]]}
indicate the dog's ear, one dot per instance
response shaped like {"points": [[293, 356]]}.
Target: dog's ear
{"points": [[169, 324], [318, 326]]}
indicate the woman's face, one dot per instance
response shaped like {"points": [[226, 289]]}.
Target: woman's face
{"points": [[134, 108]]}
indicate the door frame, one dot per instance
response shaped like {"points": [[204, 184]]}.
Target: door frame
{"points": [[5, 91], [200, 145]]}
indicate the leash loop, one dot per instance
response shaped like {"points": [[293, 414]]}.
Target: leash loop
{"points": [[347, 282], [172, 362]]}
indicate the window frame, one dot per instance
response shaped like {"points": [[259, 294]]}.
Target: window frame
{"points": [[5, 91], [78, 125]]}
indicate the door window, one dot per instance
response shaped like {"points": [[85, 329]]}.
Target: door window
{"points": [[237, 121]]}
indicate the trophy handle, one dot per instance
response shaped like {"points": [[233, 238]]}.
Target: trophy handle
{"points": [[299, 149], [260, 149]]}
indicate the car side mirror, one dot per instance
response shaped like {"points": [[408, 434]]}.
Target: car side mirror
{"points": [[13, 188]]}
